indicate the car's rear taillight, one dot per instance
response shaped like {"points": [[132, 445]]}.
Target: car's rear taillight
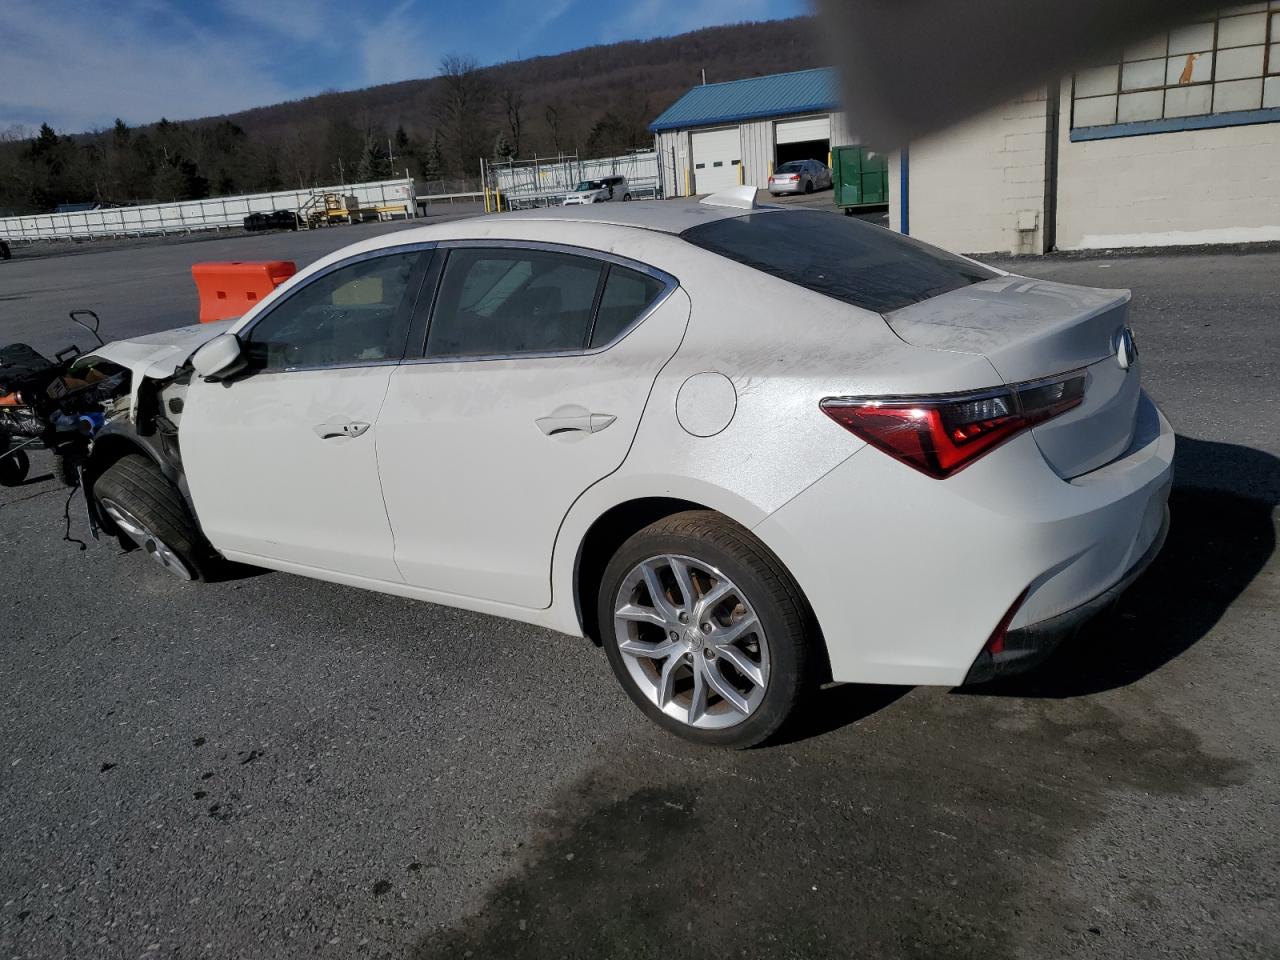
{"points": [[939, 435]]}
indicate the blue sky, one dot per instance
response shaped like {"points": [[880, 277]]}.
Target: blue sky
{"points": [[78, 65]]}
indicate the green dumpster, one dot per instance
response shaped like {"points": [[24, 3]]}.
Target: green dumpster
{"points": [[860, 176]]}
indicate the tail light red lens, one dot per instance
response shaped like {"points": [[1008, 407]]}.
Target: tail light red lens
{"points": [[940, 435]]}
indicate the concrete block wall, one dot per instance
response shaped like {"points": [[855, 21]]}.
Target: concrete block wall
{"points": [[974, 185], [1219, 185]]}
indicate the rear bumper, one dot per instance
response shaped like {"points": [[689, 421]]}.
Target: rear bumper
{"points": [[909, 576], [778, 188], [1027, 647]]}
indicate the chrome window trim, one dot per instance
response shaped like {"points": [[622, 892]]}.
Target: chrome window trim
{"points": [[669, 285], [242, 334]]}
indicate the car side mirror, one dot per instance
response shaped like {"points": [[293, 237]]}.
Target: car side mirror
{"points": [[220, 357]]}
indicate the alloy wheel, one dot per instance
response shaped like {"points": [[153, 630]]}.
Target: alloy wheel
{"points": [[691, 641], [153, 546]]}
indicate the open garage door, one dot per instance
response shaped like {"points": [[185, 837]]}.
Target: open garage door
{"points": [[807, 139], [717, 155]]}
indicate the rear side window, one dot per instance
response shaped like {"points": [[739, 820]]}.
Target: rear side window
{"points": [[841, 257], [627, 294], [510, 301]]}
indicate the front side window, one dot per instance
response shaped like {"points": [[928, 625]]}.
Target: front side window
{"points": [[351, 315], [497, 302]]}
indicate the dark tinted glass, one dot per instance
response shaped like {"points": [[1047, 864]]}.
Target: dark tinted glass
{"points": [[626, 295], [841, 257], [499, 302], [348, 316]]}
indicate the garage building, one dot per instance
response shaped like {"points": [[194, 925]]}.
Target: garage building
{"points": [[724, 134]]}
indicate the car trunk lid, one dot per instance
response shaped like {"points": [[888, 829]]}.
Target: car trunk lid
{"points": [[1032, 329]]}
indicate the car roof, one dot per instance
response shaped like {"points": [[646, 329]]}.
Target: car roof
{"points": [[664, 216]]}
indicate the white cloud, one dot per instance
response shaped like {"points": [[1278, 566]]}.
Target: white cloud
{"points": [[79, 65], [648, 18], [77, 71], [396, 46]]}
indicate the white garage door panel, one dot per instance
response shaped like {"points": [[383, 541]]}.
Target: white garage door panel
{"points": [[802, 131], [716, 155]]}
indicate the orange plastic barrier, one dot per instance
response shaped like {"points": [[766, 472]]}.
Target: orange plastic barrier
{"points": [[230, 289]]}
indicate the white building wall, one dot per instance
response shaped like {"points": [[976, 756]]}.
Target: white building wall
{"points": [[842, 134], [979, 186], [757, 152], [673, 161], [1162, 189]]}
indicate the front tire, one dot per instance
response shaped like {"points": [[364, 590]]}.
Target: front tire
{"points": [[705, 630], [148, 513]]}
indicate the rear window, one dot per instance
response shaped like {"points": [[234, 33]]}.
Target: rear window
{"points": [[840, 257]]}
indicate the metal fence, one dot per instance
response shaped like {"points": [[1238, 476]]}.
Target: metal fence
{"points": [[544, 181], [215, 213]]}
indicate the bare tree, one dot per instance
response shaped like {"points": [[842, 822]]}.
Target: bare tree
{"points": [[460, 108], [553, 124], [513, 103]]}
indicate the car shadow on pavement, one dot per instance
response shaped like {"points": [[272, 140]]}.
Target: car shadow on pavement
{"points": [[834, 706], [1222, 534]]}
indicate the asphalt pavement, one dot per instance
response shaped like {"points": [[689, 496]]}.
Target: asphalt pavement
{"points": [[276, 767]]}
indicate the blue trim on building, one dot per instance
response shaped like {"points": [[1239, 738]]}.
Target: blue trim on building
{"points": [[752, 98], [1175, 124], [825, 107], [904, 191]]}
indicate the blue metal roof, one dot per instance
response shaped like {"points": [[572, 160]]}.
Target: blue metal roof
{"points": [[780, 95]]}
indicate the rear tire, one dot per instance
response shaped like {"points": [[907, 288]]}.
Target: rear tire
{"points": [[755, 642], [808, 186], [149, 514], [626, 196]]}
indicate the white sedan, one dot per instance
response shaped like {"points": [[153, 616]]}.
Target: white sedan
{"points": [[746, 449]]}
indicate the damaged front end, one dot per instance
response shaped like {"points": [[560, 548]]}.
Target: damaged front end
{"points": [[91, 408]]}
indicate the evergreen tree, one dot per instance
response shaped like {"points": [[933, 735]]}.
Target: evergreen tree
{"points": [[502, 149], [432, 165]]}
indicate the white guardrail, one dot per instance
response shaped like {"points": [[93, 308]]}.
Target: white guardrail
{"points": [[185, 216]]}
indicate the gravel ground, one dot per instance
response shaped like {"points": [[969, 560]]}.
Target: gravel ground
{"points": [[272, 766]]}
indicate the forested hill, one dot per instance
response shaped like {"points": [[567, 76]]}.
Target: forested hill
{"points": [[596, 102]]}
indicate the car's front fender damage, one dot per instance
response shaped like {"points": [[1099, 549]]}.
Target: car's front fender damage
{"points": [[141, 413]]}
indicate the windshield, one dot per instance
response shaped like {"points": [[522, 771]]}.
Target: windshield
{"points": [[792, 167], [841, 257], [590, 185]]}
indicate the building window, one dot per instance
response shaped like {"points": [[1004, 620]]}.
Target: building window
{"points": [[1225, 64]]}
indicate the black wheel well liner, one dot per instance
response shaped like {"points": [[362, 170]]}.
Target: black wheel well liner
{"points": [[114, 442], [610, 530]]}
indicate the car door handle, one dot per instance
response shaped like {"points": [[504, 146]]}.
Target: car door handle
{"points": [[341, 428], [574, 419]]}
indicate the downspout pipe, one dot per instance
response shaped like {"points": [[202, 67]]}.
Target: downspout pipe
{"points": [[904, 191], [1053, 111]]}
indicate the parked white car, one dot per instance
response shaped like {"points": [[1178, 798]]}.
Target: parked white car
{"points": [[602, 190], [800, 176], [746, 449]]}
